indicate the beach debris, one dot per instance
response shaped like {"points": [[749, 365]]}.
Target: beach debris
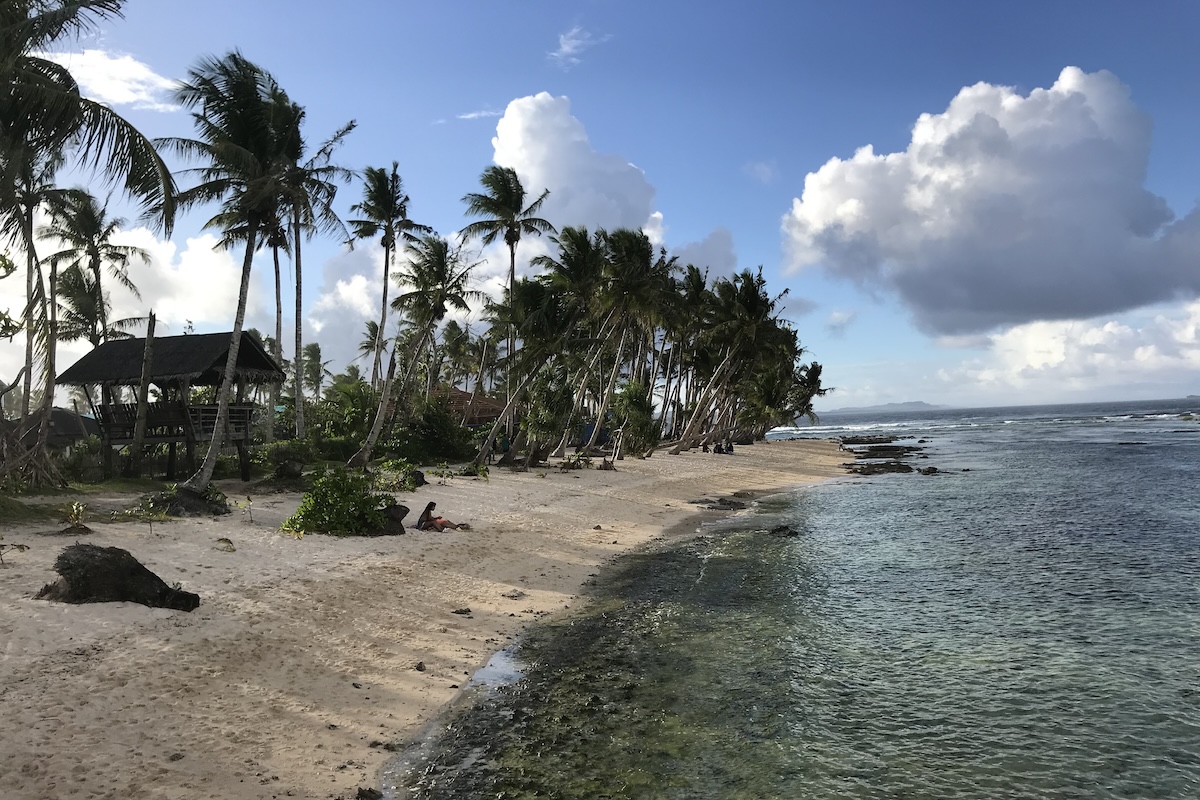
{"points": [[175, 757], [365, 793], [226, 545], [744, 494], [93, 574], [356, 685], [461, 611], [14, 548], [419, 666], [515, 594], [596, 528]]}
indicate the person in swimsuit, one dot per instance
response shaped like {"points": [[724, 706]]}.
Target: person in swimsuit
{"points": [[430, 521]]}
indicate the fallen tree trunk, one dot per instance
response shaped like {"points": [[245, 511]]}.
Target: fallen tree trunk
{"points": [[93, 574]]}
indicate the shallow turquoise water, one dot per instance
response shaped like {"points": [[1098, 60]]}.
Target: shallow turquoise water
{"points": [[1029, 628]]}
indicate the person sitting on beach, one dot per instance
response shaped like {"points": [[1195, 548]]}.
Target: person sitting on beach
{"points": [[729, 447], [719, 448], [428, 521], [704, 447]]}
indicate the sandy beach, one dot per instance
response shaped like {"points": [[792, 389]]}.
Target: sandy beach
{"points": [[307, 656]]}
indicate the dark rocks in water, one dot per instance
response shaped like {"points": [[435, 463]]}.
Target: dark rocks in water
{"points": [[744, 495], [878, 468], [728, 501], [888, 451], [881, 439], [928, 470], [365, 793], [93, 574], [785, 531]]}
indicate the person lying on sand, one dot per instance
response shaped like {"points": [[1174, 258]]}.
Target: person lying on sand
{"points": [[429, 522]]}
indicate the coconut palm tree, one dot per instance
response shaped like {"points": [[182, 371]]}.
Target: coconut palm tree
{"points": [[83, 310], [82, 224], [308, 188], [384, 211], [236, 113], [315, 371], [505, 215], [43, 111], [437, 278]]}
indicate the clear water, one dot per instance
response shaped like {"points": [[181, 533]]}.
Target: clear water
{"points": [[1024, 624]]}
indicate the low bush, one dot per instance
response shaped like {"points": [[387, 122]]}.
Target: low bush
{"points": [[433, 436], [341, 503], [397, 475]]}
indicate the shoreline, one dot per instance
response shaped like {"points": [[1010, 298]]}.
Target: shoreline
{"points": [[302, 660]]}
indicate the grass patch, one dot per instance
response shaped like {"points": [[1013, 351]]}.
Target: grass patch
{"points": [[13, 510]]}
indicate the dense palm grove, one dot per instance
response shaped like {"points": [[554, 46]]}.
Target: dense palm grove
{"points": [[611, 329]]}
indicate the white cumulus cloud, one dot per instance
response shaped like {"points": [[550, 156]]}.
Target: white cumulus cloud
{"points": [[1004, 209], [549, 148], [117, 80]]}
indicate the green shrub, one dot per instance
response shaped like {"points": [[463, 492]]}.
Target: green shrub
{"points": [[288, 450], [396, 475], [337, 448], [85, 463], [341, 503], [433, 436]]}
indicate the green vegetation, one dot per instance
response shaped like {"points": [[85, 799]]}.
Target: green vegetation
{"points": [[342, 503]]}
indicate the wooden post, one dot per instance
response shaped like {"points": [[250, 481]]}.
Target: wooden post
{"points": [[143, 405]]}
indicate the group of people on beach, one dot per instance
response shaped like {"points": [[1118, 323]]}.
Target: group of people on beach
{"points": [[722, 449]]}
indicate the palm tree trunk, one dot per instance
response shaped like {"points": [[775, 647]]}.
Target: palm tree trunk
{"points": [[509, 407], [299, 322], [512, 329], [31, 267], [363, 456], [608, 392], [379, 339], [199, 482], [273, 394], [702, 404]]}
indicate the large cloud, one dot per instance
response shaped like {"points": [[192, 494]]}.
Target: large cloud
{"points": [[1004, 209], [549, 149]]}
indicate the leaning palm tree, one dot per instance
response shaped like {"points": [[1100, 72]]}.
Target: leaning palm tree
{"points": [[235, 116], [82, 224], [437, 278], [83, 310], [505, 215], [384, 211]]}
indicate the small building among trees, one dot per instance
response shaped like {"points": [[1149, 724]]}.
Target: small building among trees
{"points": [[177, 365]]}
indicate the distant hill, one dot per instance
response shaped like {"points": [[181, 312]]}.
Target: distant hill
{"points": [[915, 405]]}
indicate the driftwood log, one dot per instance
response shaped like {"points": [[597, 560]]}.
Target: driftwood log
{"points": [[93, 574]]}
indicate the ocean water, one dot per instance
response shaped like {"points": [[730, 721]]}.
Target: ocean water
{"points": [[1023, 624]]}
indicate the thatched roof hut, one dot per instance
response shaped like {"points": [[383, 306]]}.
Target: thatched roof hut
{"points": [[483, 410], [197, 359]]}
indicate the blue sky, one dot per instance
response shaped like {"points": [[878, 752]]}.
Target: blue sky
{"points": [[1034, 246]]}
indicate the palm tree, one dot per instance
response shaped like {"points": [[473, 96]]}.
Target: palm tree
{"points": [[83, 310], [307, 192], [502, 207], [384, 209], [235, 113], [437, 279], [43, 111], [82, 224], [315, 370]]}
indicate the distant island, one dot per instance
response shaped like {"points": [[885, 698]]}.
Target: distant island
{"points": [[915, 405]]}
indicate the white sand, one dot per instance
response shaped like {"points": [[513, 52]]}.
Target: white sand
{"points": [[302, 652]]}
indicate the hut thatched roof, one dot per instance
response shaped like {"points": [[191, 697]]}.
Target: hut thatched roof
{"points": [[484, 409], [196, 358]]}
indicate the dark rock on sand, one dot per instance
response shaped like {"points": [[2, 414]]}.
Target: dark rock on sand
{"points": [[92, 574]]}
